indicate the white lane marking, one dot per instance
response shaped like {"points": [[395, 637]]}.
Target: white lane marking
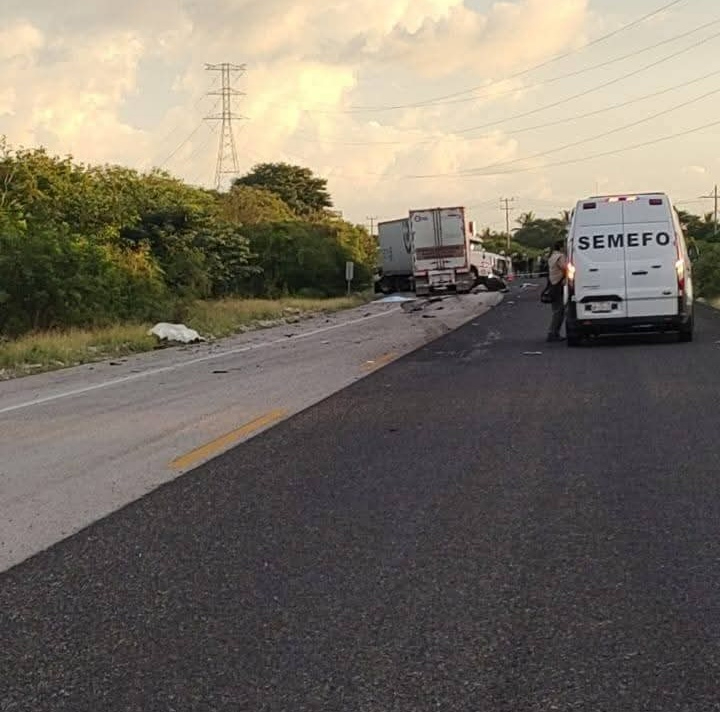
{"points": [[189, 362]]}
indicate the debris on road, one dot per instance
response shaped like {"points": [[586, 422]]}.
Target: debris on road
{"points": [[270, 323], [412, 307], [532, 353], [395, 298]]}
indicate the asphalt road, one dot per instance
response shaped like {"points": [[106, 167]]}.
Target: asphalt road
{"points": [[80, 443], [474, 527]]}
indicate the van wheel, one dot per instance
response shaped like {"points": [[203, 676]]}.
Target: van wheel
{"points": [[686, 333], [573, 339]]}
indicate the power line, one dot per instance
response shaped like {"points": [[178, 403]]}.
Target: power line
{"points": [[591, 90], [603, 134], [551, 80], [525, 129], [183, 142], [518, 74], [179, 125], [201, 149], [612, 152], [585, 70], [481, 170], [227, 151]]}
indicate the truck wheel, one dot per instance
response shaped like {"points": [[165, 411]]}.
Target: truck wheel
{"points": [[386, 286]]}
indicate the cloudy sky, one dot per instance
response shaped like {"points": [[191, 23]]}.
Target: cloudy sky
{"points": [[399, 103]]}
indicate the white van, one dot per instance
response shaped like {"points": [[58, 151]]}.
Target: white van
{"points": [[629, 268]]}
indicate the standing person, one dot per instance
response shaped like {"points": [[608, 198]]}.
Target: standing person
{"points": [[557, 267]]}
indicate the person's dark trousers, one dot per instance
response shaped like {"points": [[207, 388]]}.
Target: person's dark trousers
{"points": [[558, 316]]}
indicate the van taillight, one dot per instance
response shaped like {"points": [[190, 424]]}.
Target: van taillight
{"points": [[680, 270], [571, 272]]}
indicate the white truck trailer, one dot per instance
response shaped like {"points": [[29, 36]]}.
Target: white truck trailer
{"points": [[441, 250], [395, 252]]}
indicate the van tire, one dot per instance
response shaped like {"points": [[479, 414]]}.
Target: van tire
{"points": [[686, 333], [573, 339]]}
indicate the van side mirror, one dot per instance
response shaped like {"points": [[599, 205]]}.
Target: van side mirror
{"points": [[693, 252]]}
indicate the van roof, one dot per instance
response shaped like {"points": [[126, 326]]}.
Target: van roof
{"points": [[609, 200], [625, 196]]}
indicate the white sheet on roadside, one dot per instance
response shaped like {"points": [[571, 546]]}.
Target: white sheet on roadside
{"points": [[175, 332]]}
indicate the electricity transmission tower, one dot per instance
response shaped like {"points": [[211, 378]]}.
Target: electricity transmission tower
{"points": [[227, 160]]}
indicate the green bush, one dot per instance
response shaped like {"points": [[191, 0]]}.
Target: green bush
{"points": [[84, 246], [706, 270], [297, 256], [51, 278]]}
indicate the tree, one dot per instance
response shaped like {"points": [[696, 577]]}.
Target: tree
{"points": [[82, 245], [526, 219], [706, 271], [691, 224], [246, 205], [300, 256], [298, 187], [50, 277], [539, 233]]}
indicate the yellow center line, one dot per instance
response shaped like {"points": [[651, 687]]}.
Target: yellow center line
{"points": [[224, 441], [379, 362]]}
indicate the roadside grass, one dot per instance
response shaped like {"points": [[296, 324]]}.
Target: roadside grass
{"points": [[48, 351], [229, 316]]}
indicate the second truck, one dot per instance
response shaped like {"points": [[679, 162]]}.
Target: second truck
{"points": [[441, 250]]}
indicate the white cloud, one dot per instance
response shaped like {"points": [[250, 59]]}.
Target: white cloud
{"points": [[69, 78], [19, 40], [512, 35]]}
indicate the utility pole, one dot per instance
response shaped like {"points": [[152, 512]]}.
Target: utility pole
{"points": [[715, 212], [507, 209], [371, 219], [227, 153]]}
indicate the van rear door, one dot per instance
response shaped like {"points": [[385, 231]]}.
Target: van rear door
{"points": [[599, 260], [651, 254]]}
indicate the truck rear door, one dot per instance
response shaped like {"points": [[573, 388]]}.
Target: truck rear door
{"points": [[453, 238], [440, 243]]}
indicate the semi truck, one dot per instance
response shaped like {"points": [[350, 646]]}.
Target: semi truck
{"points": [[395, 257], [441, 250]]}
